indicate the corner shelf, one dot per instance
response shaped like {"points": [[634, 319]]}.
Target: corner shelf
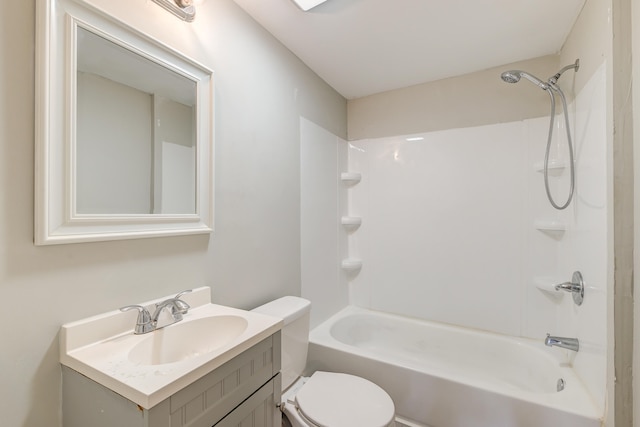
{"points": [[550, 225], [351, 265], [547, 285], [555, 168], [351, 223], [350, 178], [553, 228]]}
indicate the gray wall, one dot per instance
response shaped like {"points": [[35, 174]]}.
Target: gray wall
{"points": [[469, 100], [261, 91]]}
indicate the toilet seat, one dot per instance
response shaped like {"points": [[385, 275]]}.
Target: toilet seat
{"points": [[341, 400]]}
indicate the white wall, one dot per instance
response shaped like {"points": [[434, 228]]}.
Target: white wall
{"points": [[586, 243], [323, 156], [442, 225], [261, 90]]}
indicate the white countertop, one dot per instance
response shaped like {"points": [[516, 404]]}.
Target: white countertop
{"points": [[98, 347]]}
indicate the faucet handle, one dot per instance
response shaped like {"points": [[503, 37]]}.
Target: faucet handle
{"points": [[575, 287], [144, 323], [183, 292], [181, 306]]}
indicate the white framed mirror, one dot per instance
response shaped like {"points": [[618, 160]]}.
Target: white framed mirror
{"points": [[124, 132]]}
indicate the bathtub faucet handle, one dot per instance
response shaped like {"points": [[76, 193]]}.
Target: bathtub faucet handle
{"points": [[566, 286], [575, 286]]}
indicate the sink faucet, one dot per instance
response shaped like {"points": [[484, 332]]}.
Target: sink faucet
{"points": [[171, 304], [148, 323], [568, 343]]}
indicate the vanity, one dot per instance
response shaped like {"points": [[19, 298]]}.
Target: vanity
{"points": [[219, 366]]}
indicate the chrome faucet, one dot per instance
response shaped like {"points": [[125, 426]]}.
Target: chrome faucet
{"points": [[568, 343], [575, 287], [171, 303], [148, 323], [143, 324]]}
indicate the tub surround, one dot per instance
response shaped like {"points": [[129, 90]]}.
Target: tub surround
{"points": [[456, 228]]}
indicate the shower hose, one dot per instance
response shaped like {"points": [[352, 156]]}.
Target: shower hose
{"points": [[552, 87]]}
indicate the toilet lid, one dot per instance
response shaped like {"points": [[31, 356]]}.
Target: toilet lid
{"points": [[341, 400]]}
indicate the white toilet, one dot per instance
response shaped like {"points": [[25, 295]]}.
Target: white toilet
{"points": [[325, 399]]}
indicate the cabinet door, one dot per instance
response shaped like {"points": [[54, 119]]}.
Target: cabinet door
{"points": [[259, 410], [212, 397]]}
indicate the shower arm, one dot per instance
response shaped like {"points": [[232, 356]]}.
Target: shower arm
{"points": [[554, 79]]}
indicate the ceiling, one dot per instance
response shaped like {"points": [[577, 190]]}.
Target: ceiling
{"points": [[362, 47]]}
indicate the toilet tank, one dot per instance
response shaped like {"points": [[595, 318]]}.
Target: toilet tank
{"points": [[295, 312]]}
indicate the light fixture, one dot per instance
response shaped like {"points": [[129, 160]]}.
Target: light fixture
{"points": [[308, 4], [183, 9]]}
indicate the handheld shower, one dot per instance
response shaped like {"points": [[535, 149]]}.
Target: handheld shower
{"points": [[513, 76]]}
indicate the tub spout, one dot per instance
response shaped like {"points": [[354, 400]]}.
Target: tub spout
{"points": [[568, 343]]}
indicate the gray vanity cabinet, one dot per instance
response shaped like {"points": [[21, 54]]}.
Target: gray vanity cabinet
{"points": [[241, 393]]}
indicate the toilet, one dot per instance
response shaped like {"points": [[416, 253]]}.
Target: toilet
{"points": [[324, 399]]}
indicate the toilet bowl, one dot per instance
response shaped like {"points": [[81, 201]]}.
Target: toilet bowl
{"points": [[324, 399]]}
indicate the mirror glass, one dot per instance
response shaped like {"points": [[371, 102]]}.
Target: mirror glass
{"points": [[135, 133], [124, 131]]}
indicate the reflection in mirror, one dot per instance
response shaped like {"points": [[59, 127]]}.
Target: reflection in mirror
{"points": [[135, 150]]}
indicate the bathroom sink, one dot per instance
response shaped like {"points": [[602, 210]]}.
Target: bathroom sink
{"points": [[188, 339], [148, 368]]}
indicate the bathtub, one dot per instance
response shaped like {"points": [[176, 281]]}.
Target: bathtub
{"points": [[445, 376]]}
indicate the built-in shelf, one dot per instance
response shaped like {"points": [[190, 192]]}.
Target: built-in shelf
{"points": [[555, 168], [350, 178], [552, 228], [351, 223], [351, 265], [549, 225], [548, 286]]}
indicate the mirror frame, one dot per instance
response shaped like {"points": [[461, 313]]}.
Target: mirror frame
{"points": [[56, 221]]}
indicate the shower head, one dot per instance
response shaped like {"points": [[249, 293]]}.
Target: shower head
{"points": [[510, 76], [513, 76]]}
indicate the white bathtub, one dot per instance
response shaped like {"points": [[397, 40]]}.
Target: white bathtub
{"points": [[445, 376]]}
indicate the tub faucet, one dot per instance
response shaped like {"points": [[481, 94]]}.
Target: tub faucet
{"points": [[568, 343]]}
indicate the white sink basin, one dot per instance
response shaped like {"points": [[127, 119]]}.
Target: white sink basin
{"points": [[149, 368], [187, 339]]}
